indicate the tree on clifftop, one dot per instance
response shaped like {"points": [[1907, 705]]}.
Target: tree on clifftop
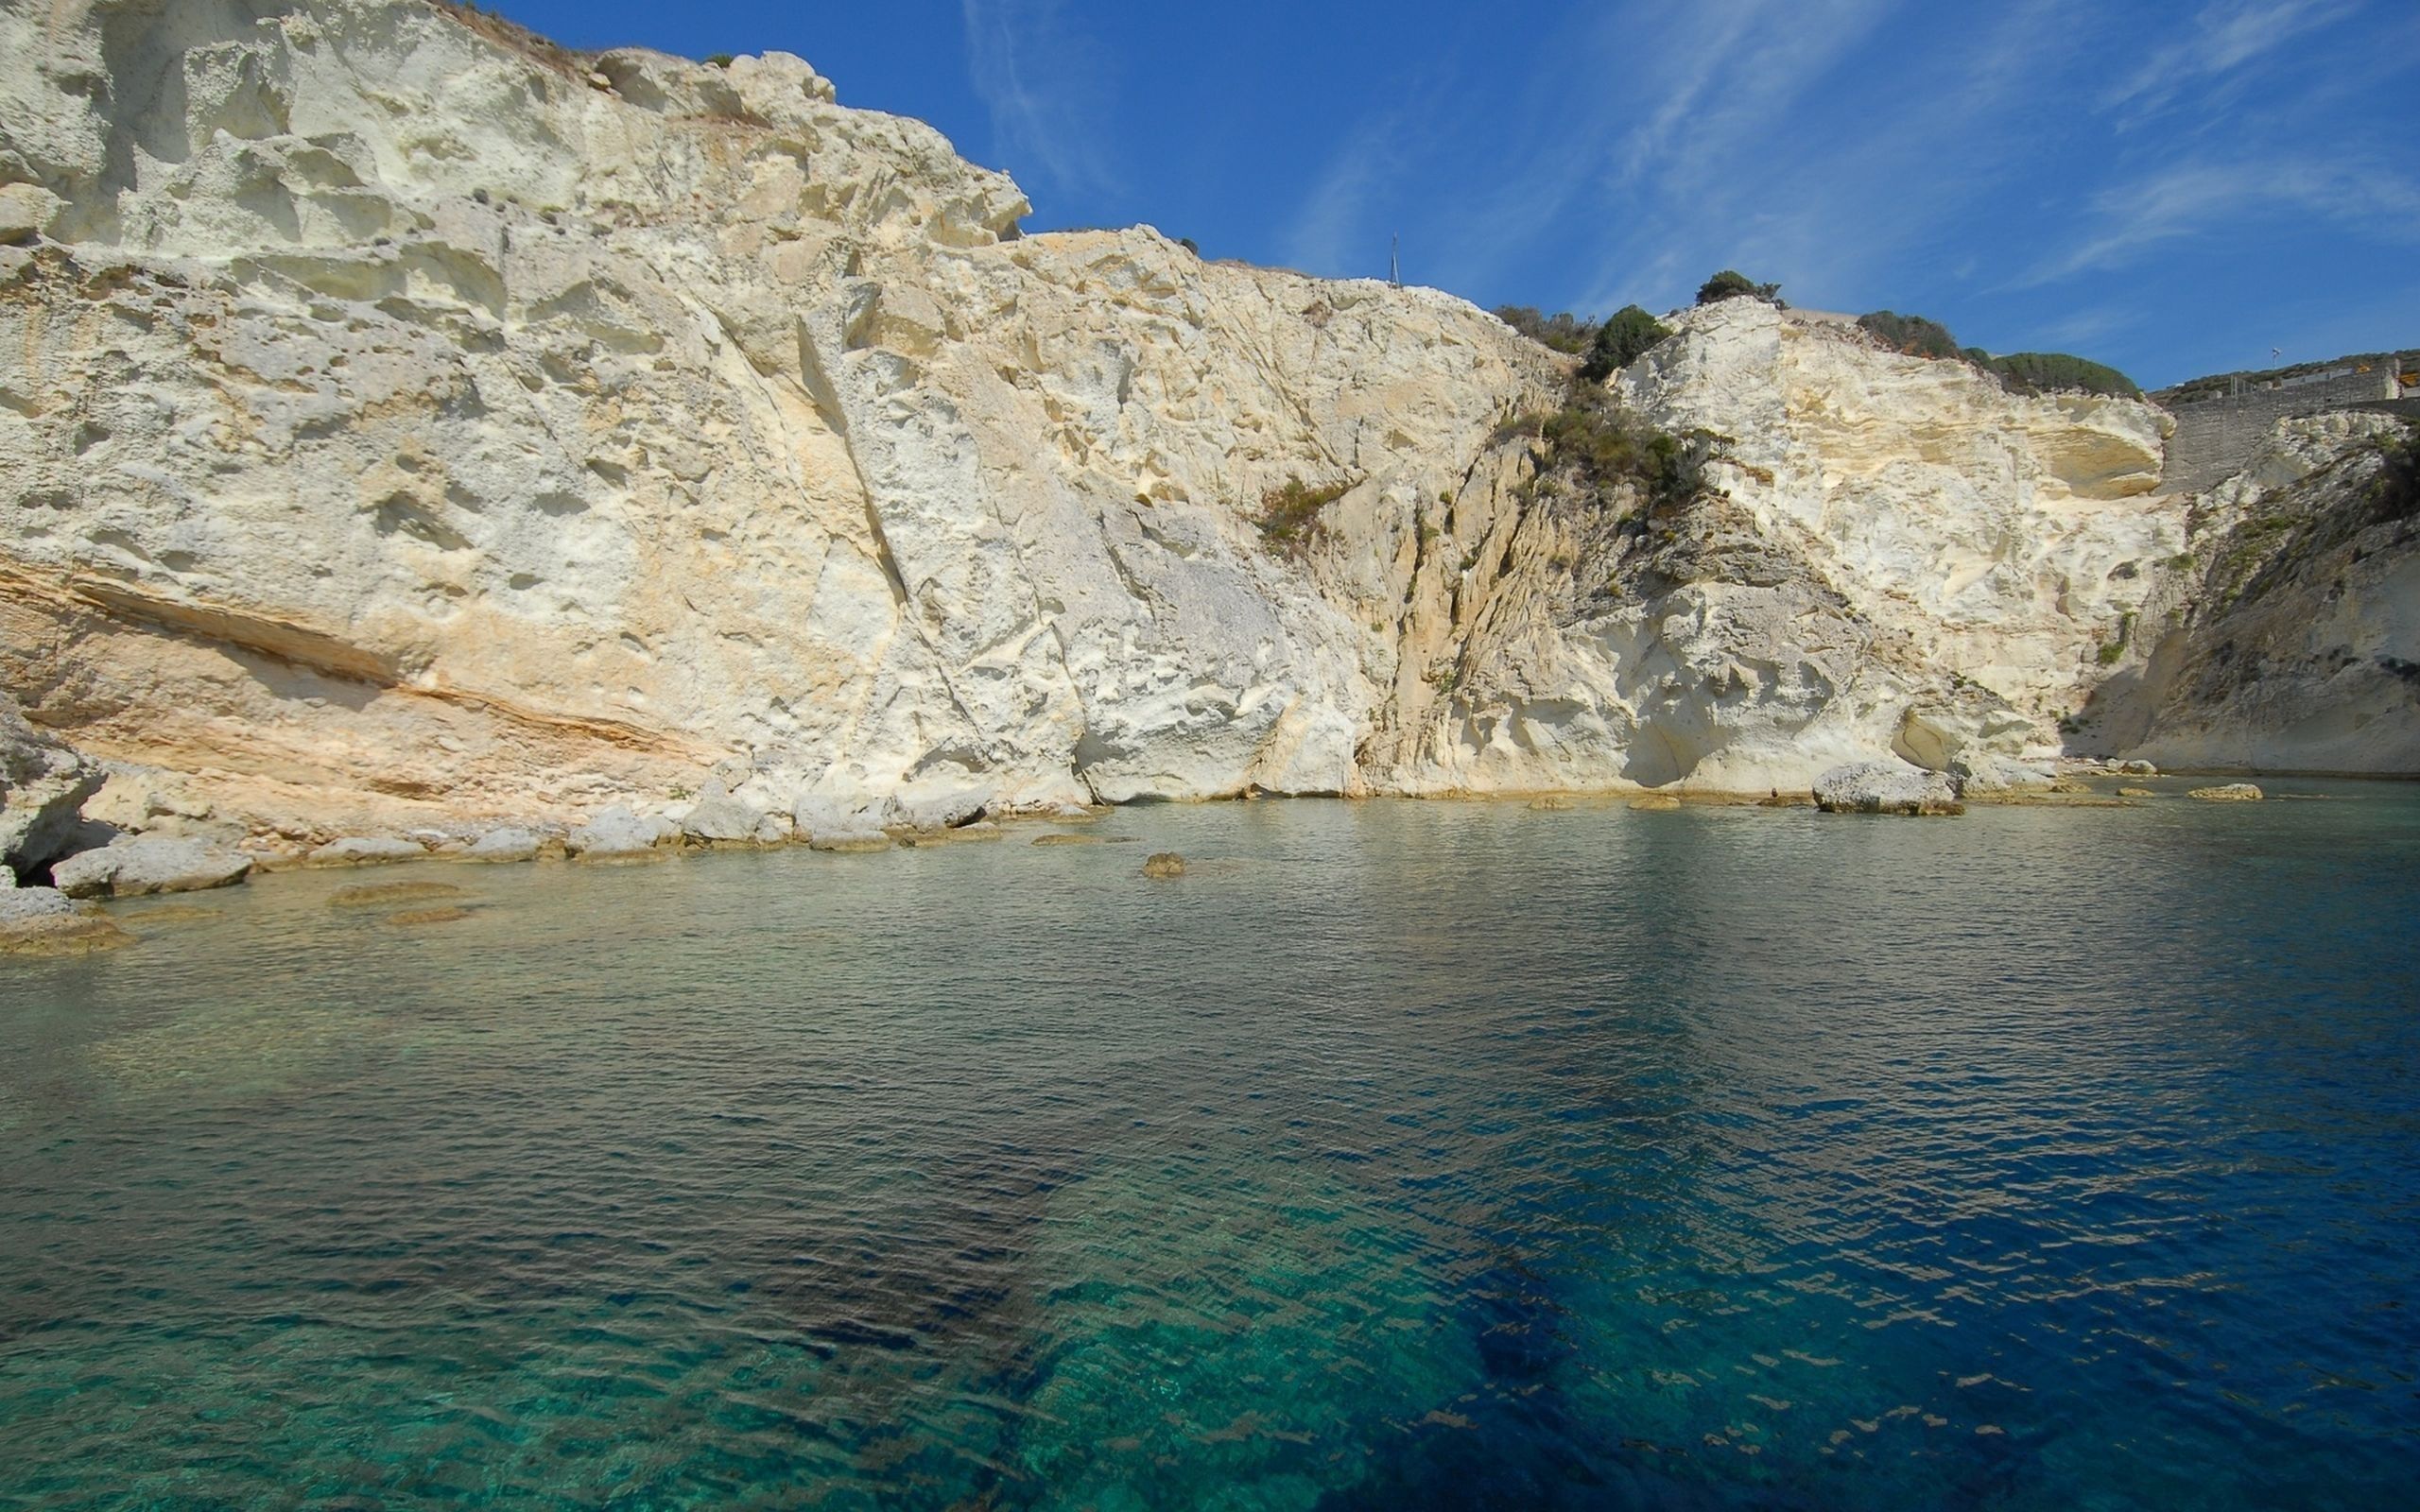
{"points": [[1729, 285], [1620, 341]]}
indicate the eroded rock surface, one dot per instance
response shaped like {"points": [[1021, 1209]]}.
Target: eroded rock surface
{"points": [[417, 428], [44, 783]]}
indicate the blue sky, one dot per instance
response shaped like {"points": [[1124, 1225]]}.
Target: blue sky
{"points": [[2172, 187]]}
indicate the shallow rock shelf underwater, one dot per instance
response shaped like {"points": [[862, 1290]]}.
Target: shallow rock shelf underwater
{"points": [[1397, 1154]]}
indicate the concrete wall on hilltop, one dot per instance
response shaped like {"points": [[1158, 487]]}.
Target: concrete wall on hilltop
{"points": [[2214, 437]]}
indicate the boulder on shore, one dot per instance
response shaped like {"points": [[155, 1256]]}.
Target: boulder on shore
{"points": [[2228, 793], [618, 835], [945, 808], [829, 823], [134, 865], [508, 844], [44, 783], [367, 851], [719, 818], [1885, 787]]}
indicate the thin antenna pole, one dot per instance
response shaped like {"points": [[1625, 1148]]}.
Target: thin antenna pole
{"points": [[1395, 261]]}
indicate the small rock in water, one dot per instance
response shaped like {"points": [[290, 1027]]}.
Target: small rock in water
{"points": [[377, 894], [367, 851], [2136, 792], [1549, 804], [2229, 793], [2135, 770], [1885, 787], [1066, 839], [428, 916], [849, 842], [980, 830], [1163, 864], [1651, 802]]}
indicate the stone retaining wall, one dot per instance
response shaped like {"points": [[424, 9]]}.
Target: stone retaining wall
{"points": [[2216, 436]]}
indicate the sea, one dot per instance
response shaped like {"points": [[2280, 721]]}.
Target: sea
{"points": [[1398, 1155]]}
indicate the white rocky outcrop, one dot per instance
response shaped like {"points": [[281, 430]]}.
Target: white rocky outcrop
{"points": [[1886, 786], [44, 784], [415, 425], [135, 866], [618, 835]]}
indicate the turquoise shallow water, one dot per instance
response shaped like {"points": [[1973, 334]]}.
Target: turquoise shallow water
{"points": [[1401, 1156]]}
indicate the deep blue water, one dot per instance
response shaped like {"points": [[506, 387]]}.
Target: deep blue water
{"points": [[1401, 1156]]}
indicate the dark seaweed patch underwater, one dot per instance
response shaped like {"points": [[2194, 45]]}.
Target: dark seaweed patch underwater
{"points": [[1398, 1156]]}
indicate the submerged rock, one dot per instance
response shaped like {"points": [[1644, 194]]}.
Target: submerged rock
{"points": [[1549, 804], [849, 842], [367, 851], [1163, 864], [429, 916], [2228, 793], [1885, 787], [1653, 802], [42, 922], [2136, 792], [383, 893], [134, 865], [980, 829]]}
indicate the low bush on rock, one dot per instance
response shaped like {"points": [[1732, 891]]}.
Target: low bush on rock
{"points": [[1563, 331], [1290, 514], [1593, 444]]}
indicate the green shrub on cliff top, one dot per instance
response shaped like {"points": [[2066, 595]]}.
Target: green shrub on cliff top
{"points": [[2039, 373], [1628, 334], [1731, 285], [1911, 336]]}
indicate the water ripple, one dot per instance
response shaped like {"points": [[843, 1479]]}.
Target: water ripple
{"points": [[1401, 1156]]}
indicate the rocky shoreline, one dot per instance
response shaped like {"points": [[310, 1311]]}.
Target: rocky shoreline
{"points": [[89, 862]]}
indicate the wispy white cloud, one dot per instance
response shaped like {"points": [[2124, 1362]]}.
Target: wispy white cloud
{"points": [[1331, 233], [2218, 198], [2221, 40], [1041, 82]]}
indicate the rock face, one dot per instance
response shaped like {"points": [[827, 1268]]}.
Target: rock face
{"points": [[136, 866], [42, 787], [638, 419], [2293, 641]]}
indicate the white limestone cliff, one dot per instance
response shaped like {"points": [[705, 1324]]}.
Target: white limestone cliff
{"points": [[410, 422]]}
